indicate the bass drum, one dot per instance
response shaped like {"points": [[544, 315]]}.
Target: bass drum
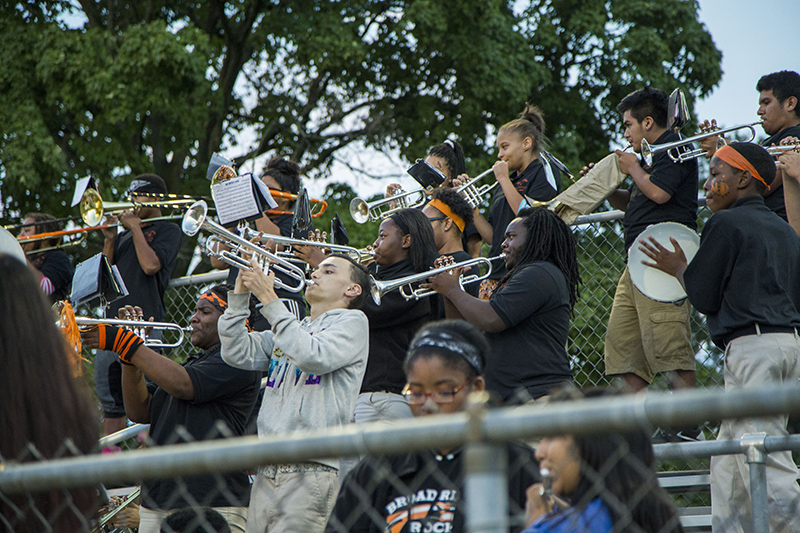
{"points": [[650, 281]]}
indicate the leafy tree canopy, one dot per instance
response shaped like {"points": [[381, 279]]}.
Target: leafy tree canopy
{"points": [[116, 88]]}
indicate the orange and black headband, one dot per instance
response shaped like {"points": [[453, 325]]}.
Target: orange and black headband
{"points": [[730, 155], [445, 209], [214, 299]]}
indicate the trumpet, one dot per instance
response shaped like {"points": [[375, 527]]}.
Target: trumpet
{"points": [[196, 218], [357, 255], [780, 149], [546, 492], [673, 148], [140, 327], [361, 211], [379, 288], [93, 207], [474, 194]]}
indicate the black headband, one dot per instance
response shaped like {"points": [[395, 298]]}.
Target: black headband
{"points": [[400, 224], [445, 341]]}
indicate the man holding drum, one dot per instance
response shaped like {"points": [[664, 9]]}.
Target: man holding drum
{"points": [[644, 336], [745, 277]]}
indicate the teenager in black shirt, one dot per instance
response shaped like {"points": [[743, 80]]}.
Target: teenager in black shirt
{"points": [[53, 266], [527, 317]]}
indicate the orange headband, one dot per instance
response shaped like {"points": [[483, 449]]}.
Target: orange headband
{"points": [[445, 209], [729, 154], [215, 300]]}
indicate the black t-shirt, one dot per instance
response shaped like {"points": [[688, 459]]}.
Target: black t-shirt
{"points": [[746, 271], [533, 183], [55, 266], [531, 353], [146, 291], [392, 325], [421, 492], [775, 200], [679, 180], [223, 395]]}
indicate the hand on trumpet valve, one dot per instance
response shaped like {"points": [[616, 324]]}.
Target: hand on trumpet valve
{"points": [[135, 313], [789, 163], [789, 141], [712, 143], [458, 181], [536, 503], [261, 283], [313, 255], [446, 281]]}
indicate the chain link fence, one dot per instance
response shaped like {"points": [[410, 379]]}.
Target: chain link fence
{"points": [[419, 490]]}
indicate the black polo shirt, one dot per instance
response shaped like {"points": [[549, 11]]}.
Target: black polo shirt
{"points": [[775, 200]]}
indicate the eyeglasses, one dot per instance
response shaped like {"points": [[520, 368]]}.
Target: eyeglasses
{"points": [[431, 219], [419, 398]]}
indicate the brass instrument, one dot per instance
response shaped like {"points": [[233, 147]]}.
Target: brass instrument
{"points": [[76, 237], [111, 510], [361, 211], [140, 327], [546, 492], [196, 218], [474, 194], [379, 288], [93, 207], [780, 149], [672, 149], [357, 255]]}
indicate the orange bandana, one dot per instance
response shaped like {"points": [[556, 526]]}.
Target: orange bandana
{"points": [[445, 209], [215, 300], [729, 154]]}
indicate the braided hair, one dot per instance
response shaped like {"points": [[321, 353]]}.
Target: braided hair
{"points": [[549, 239]]}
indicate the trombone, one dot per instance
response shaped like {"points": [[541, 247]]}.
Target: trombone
{"points": [[678, 156], [76, 237], [196, 218], [379, 288], [93, 207], [357, 255], [361, 211]]}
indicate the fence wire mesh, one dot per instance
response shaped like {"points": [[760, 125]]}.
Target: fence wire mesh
{"points": [[413, 492]]}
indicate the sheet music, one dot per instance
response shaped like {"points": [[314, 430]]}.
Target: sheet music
{"points": [[234, 199]]}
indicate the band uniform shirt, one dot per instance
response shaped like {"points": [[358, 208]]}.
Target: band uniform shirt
{"points": [[531, 183], [146, 291], [55, 266], [421, 492], [222, 395], [531, 353], [775, 200], [392, 325], [746, 271], [679, 180]]}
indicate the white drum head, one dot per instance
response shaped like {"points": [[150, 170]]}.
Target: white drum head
{"points": [[9, 245], [653, 283]]}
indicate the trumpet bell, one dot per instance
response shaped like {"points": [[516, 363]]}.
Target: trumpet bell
{"points": [[194, 217], [359, 210]]}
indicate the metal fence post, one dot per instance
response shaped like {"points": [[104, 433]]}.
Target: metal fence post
{"points": [[756, 453], [485, 481]]}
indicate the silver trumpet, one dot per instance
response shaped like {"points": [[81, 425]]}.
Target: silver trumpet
{"points": [[361, 211], [474, 194], [140, 327], [678, 156], [196, 218], [357, 255], [782, 149], [379, 288]]}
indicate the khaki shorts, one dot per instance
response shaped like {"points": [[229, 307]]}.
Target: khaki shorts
{"points": [[644, 336]]}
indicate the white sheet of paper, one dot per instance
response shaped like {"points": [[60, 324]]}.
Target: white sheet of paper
{"points": [[234, 199]]}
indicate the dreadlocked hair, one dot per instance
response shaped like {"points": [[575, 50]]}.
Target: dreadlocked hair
{"points": [[549, 239]]}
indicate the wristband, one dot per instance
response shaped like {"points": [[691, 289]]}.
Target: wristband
{"points": [[119, 340]]}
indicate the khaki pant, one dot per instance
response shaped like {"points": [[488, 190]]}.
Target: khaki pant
{"points": [[645, 336], [292, 502], [757, 361], [150, 519]]}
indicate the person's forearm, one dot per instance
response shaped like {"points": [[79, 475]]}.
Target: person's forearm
{"points": [[647, 187], [164, 372], [135, 395], [146, 256], [513, 198], [477, 312], [108, 249], [482, 225]]}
